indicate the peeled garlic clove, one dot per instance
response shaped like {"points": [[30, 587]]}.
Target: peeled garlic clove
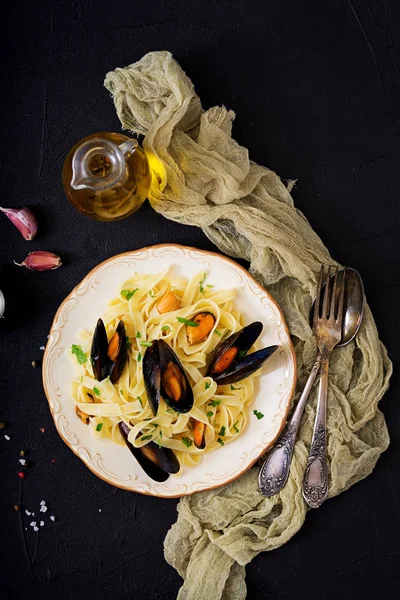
{"points": [[41, 261], [23, 219]]}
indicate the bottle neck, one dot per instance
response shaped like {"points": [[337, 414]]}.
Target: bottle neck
{"points": [[99, 164]]}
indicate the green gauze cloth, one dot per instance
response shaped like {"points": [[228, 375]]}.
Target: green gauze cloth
{"points": [[203, 177]]}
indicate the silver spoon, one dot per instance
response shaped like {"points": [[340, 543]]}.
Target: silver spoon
{"points": [[275, 469]]}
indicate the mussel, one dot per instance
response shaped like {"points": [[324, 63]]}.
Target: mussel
{"points": [[199, 430], [230, 362], [205, 321], [156, 461], [164, 376], [108, 357]]}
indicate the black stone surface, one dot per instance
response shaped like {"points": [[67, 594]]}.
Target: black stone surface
{"points": [[315, 86]]}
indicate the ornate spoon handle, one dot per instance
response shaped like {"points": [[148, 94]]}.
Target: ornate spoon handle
{"points": [[315, 483], [275, 469]]}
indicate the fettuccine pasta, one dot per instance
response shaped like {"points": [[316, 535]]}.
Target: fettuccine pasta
{"points": [[223, 409]]}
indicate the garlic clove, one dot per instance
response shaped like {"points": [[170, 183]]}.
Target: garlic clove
{"points": [[23, 219], [41, 261]]}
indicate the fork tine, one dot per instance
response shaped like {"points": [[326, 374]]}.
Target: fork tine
{"points": [[333, 295], [326, 294], [318, 298], [341, 299]]}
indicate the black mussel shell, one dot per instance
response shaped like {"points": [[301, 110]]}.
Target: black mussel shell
{"points": [[116, 367], [243, 365], [152, 375], [98, 352], [156, 462], [156, 361]]}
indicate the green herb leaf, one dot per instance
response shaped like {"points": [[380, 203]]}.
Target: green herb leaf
{"points": [[139, 357], [170, 410], [122, 392], [138, 398], [220, 441], [214, 403], [165, 328], [187, 442], [218, 333], [138, 334], [152, 294], [146, 437], [96, 391], [202, 291], [99, 426], [127, 294], [128, 342], [79, 353], [207, 385], [210, 413], [147, 344], [235, 428], [228, 332], [208, 285], [259, 415], [155, 425], [242, 353], [187, 322], [222, 431], [233, 388]]}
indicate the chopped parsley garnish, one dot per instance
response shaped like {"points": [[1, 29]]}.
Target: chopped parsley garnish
{"points": [[127, 294], [170, 410], [128, 342], [187, 322], [220, 441], [165, 328], [138, 398], [155, 425], [147, 344], [122, 392], [235, 428], [99, 426], [259, 415], [210, 413], [79, 353], [146, 437], [138, 334], [228, 332], [218, 333], [152, 294], [222, 431], [233, 388], [139, 357], [242, 353], [202, 290], [207, 385], [187, 442], [208, 285], [96, 391], [214, 403]]}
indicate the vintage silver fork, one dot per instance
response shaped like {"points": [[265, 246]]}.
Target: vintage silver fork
{"points": [[327, 328]]}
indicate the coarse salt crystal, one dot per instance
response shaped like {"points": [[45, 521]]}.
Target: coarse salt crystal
{"points": [[99, 509], [52, 518], [33, 514], [36, 529], [32, 523], [22, 461], [41, 348], [42, 502], [27, 512], [7, 437], [41, 523], [43, 508]]}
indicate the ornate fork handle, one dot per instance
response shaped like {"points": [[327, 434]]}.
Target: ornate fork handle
{"points": [[315, 483], [275, 469]]}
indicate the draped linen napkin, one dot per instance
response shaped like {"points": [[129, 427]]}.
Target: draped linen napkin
{"points": [[202, 177]]}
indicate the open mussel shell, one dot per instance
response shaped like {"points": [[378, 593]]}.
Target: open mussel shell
{"points": [[98, 352], [239, 364], [103, 365], [157, 462], [164, 376], [117, 366]]}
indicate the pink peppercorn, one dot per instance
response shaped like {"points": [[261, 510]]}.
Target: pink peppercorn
{"points": [[21, 474]]}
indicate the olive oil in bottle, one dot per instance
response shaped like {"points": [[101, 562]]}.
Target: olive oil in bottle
{"points": [[106, 176]]}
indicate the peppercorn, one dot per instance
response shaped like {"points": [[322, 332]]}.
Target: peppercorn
{"points": [[2, 424], [17, 507], [36, 363], [22, 453]]}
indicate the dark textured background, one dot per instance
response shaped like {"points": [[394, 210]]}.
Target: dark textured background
{"points": [[315, 86]]}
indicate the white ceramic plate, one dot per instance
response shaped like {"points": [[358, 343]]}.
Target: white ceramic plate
{"points": [[114, 463]]}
